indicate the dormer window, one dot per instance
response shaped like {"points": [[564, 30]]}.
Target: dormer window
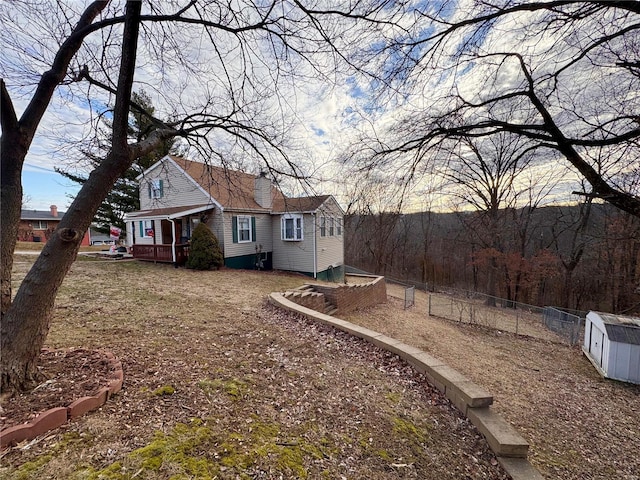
{"points": [[155, 189]]}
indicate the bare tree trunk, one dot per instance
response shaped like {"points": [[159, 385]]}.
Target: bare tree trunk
{"points": [[11, 203], [26, 322]]}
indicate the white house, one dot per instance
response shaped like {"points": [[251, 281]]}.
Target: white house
{"points": [[256, 225], [612, 343]]}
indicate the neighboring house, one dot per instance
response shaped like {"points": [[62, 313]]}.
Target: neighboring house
{"points": [[38, 225], [256, 225], [99, 238]]}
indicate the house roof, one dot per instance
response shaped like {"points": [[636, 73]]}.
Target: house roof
{"points": [[232, 189], [39, 215], [300, 204]]}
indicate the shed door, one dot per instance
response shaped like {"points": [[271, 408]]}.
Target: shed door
{"points": [[596, 344]]}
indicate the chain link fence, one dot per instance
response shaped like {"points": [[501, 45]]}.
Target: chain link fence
{"points": [[564, 324], [409, 297], [497, 313], [529, 321]]}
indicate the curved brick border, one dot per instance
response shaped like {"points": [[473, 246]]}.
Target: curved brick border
{"points": [[471, 399], [56, 417]]}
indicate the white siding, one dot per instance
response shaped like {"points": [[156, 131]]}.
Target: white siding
{"points": [[178, 189], [299, 256], [330, 247], [293, 255], [215, 223], [147, 240], [262, 235], [624, 362]]}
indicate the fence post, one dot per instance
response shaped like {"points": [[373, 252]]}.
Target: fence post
{"points": [[517, 321]]}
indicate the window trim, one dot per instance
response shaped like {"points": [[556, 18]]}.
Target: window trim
{"points": [[39, 226], [249, 223], [155, 189], [298, 230], [144, 228], [323, 226], [332, 223]]}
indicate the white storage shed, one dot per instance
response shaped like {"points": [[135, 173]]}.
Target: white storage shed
{"points": [[612, 343]]}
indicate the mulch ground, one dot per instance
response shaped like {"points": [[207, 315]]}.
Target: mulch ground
{"points": [[66, 376]]}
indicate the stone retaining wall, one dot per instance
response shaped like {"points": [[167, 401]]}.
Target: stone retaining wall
{"points": [[344, 297], [471, 399]]}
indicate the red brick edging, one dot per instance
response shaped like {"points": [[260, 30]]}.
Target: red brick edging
{"points": [[56, 417]]}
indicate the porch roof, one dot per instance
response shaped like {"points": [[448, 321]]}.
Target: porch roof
{"points": [[172, 212]]}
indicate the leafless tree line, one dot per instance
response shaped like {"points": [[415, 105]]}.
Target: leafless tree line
{"points": [[581, 257]]}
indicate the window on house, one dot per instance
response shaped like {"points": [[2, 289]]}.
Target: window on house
{"points": [[155, 189], [338, 227], [323, 226], [331, 226], [38, 225], [244, 229], [146, 229], [292, 228]]}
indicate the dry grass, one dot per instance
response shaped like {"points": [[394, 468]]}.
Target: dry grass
{"points": [[38, 246], [220, 385], [579, 424]]}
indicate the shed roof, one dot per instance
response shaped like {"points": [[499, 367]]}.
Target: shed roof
{"points": [[623, 333], [621, 328]]}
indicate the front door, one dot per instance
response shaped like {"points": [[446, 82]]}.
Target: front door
{"points": [[167, 237]]}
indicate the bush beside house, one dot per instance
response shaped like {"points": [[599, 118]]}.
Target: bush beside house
{"points": [[204, 253]]}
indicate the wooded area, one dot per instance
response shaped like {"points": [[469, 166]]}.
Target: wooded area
{"points": [[578, 257]]}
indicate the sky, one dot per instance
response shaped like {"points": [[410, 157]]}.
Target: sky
{"points": [[43, 188], [321, 119]]}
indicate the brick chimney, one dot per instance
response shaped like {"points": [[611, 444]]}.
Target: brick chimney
{"points": [[54, 210], [262, 191]]}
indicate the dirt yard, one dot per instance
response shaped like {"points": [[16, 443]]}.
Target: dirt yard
{"points": [[579, 425], [220, 385]]}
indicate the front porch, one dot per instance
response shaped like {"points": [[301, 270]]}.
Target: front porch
{"points": [[161, 253]]}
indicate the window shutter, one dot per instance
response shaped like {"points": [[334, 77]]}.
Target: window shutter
{"points": [[234, 228], [161, 190], [253, 229], [141, 229], [149, 189]]}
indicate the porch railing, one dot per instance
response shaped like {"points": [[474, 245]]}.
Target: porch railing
{"points": [[161, 253]]}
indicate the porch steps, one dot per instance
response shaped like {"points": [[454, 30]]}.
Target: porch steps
{"points": [[329, 308], [305, 291]]}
